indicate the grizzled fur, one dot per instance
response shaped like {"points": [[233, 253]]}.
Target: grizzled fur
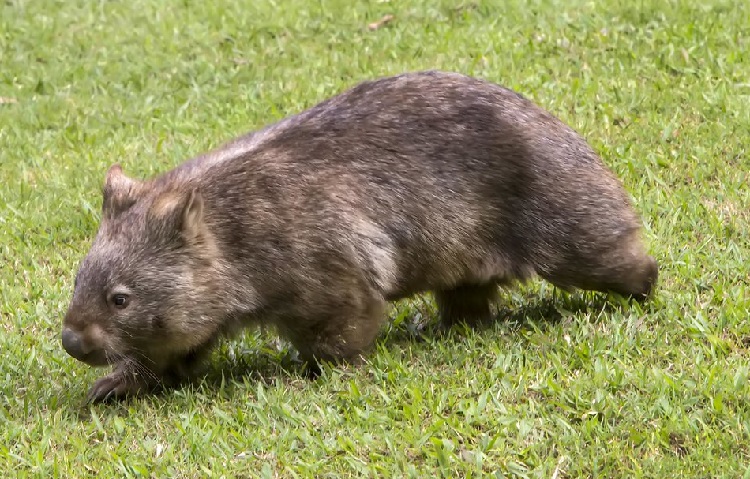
{"points": [[425, 181]]}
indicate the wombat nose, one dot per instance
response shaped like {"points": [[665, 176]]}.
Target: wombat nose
{"points": [[73, 343]]}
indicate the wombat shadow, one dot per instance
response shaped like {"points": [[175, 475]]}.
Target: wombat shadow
{"points": [[515, 313], [234, 365], [415, 321]]}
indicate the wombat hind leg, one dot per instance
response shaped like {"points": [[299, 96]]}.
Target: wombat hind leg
{"points": [[468, 303], [634, 277], [640, 281]]}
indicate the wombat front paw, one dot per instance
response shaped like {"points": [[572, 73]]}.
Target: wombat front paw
{"points": [[113, 386]]}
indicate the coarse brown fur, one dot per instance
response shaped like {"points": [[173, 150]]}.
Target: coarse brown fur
{"points": [[426, 181]]}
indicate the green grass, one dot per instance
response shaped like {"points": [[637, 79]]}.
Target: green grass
{"points": [[564, 386]]}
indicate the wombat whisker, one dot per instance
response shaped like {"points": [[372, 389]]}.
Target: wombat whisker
{"points": [[111, 357], [138, 367]]}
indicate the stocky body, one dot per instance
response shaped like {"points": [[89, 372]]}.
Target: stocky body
{"points": [[425, 181]]}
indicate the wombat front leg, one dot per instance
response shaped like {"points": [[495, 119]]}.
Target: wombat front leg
{"points": [[344, 336], [469, 303], [125, 380], [131, 378]]}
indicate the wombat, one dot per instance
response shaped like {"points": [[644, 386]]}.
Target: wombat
{"points": [[424, 181]]}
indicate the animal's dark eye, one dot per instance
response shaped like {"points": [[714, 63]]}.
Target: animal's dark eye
{"points": [[120, 301]]}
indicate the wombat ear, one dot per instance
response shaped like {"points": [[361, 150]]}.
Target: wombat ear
{"points": [[120, 192], [192, 216], [180, 212]]}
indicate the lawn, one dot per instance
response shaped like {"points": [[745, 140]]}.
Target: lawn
{"points": [[563, 385]]}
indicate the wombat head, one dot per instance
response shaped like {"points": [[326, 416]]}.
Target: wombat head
{"points": [[141, 291]]}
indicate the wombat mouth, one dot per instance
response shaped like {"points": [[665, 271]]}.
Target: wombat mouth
{"points": [[97, 358]]}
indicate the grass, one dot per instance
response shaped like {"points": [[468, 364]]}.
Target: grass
{"points": [[563, 386]]}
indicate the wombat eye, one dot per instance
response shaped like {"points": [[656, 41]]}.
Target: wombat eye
{"points": [[120, 301]]}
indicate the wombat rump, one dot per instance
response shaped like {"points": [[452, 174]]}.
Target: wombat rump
{"points": [[424, 181]]}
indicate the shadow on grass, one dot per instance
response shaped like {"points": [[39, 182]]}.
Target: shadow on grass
{"points": [[415, 321], [231, 368], [528, 312]]}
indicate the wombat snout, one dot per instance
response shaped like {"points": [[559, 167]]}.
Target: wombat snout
{"points": [[78, 346], [73, 344]]}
